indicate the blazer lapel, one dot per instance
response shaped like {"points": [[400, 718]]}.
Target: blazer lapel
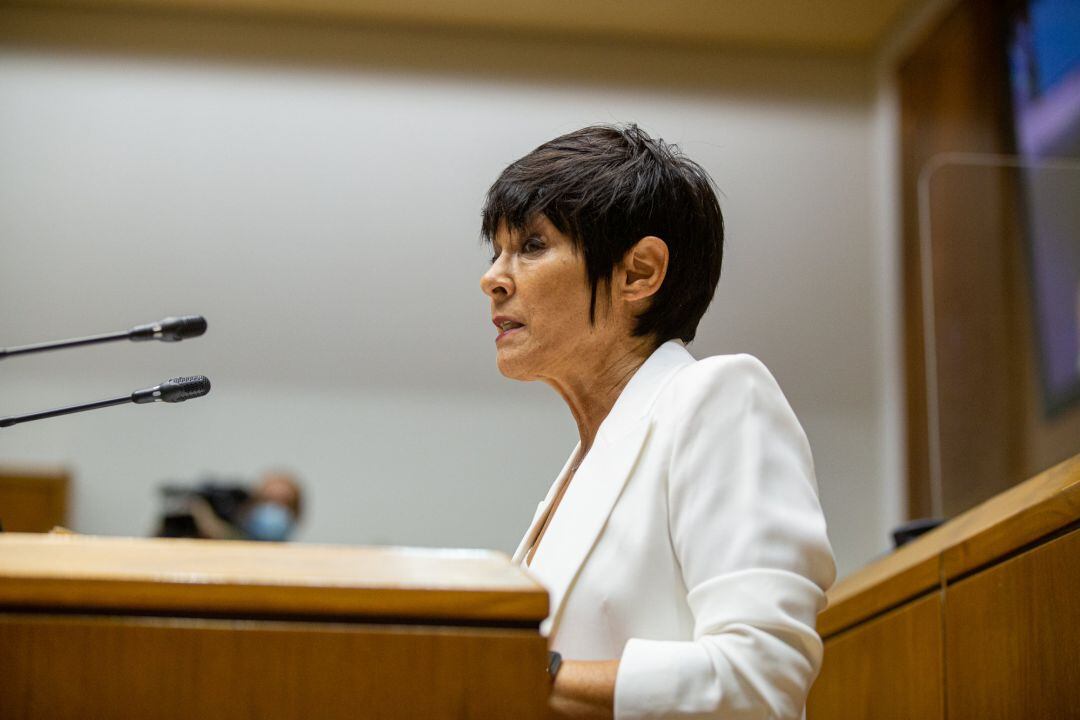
{"points": [[592, 494], [542, 509], [582, 514]]}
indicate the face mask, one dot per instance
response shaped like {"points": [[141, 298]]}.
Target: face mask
{"points": [[268, 521]]}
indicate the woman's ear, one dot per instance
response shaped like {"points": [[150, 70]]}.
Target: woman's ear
{"points": [[644, 267]]}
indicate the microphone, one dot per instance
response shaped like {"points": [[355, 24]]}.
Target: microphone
{"points": [[171, 391], [171, 329]]}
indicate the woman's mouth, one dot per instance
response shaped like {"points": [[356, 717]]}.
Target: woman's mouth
{"points": [[506, 327]]}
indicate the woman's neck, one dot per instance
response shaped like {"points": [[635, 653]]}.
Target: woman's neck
{"points": [[590, 391]]}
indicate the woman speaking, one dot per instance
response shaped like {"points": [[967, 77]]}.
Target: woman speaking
{"points": [[682, 544]]}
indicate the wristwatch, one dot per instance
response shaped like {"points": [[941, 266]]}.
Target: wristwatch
{"points": [[554, 663]]}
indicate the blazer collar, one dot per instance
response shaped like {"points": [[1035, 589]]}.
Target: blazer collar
{"points": [[637, 398], [599, 481]]}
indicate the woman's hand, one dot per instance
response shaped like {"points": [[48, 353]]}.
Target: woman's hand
{"points": [[584, 690]]}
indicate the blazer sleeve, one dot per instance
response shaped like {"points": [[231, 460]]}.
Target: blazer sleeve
{"points": [[747, 529]]}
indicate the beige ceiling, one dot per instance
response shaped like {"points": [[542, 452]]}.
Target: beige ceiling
{"points": [[822, 25]]}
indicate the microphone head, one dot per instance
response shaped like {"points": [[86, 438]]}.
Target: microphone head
{"points": [[175, 329], [183, 388], [175, 390], [171, 329]]}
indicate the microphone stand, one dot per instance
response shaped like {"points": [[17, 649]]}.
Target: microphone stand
{"points": [[171, 329], [171, 391], [16, 419], [61, 344]]}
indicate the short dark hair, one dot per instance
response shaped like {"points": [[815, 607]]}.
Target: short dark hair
{"points": [[606, 187]]}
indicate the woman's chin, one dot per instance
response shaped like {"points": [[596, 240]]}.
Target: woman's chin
{"points": [[512, 365]]}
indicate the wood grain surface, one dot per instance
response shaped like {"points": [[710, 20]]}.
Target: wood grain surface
{"points": [[910, 571], [252, 579], [890, 667], [121, 668], [1012, 649], [1031, 510], [1022, 515]]}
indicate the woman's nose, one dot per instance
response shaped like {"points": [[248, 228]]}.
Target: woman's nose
{"points": [[496, 282]]}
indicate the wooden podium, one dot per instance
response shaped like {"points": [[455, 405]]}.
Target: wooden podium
{"points": [[95, 627], [979, 619]]}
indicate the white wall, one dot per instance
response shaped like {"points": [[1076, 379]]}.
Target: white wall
{"points": [[314, 191]]}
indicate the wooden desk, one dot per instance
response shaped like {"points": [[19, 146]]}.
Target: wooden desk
{"points": [[978, 619], [136, 628]]}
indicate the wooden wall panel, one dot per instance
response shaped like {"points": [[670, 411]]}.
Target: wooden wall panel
{"points": [[1012, 633], [113, 667], [33, 500], [887, 668]]}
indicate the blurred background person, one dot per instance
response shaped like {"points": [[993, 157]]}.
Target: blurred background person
{"points": [[269, 510]]}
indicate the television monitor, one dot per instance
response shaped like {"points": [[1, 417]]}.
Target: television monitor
{"points": [[1044, 69]]}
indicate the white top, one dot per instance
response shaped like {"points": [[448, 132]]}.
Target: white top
{"points": [[691, 545]]}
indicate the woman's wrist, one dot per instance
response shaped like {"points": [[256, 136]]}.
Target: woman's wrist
{"points": [[584, 689]]}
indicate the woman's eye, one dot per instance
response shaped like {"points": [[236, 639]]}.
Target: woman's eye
{"points": [[532, 245]]}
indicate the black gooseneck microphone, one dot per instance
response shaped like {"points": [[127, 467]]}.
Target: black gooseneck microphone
{"points": [[171, 391], [171, 329]]}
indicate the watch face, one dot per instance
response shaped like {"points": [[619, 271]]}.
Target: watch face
{"points": [[554, 663]]}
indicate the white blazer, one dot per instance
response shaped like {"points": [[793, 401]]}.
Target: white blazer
{"points": [[691, 545]]}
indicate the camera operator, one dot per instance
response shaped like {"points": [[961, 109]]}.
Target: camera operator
{"points": [[270, 511]]}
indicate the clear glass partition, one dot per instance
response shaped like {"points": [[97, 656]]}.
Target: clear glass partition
{"points": [[1000, 268]]}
